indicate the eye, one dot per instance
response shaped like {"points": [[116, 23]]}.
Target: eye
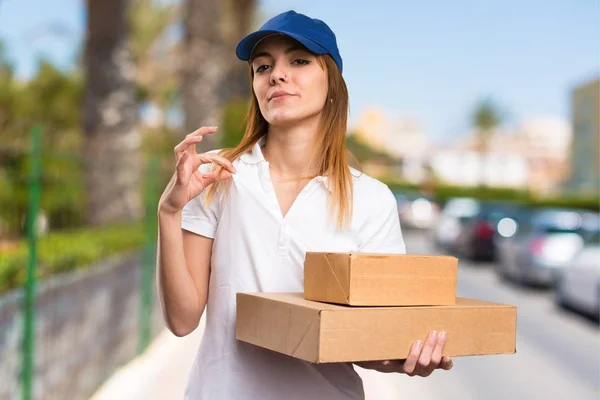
{"points": [[261, 68], [301, 61]]}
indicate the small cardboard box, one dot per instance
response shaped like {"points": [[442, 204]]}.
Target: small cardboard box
{"points": [[360, 279], [323, 333]]}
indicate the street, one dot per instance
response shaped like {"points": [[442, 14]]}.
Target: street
{"points": [[558, 352]]}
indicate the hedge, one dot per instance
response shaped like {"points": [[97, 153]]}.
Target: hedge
{"points": [[442, 193], [67, 250]]}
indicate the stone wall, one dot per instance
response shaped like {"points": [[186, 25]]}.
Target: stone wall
{"points": [[87, 324]]}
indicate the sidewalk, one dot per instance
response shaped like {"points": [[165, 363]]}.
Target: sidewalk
{"points": [[161, 373]]}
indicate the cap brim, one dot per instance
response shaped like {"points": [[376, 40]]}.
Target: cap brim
{"points": [[247, 44]]}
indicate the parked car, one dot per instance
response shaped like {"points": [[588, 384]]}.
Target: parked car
{"points": [[545, 241], [416, 211], [578, 286], [448, 225], [475, 239]]}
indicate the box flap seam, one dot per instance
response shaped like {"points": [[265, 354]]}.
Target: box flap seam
{"points": [[335, 276], [317, 315]]}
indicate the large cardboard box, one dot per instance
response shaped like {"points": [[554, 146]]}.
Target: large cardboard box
{"points": [[361, 279], [323, 333]]}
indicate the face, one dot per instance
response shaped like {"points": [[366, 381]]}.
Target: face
{"points": [[289, 83]]}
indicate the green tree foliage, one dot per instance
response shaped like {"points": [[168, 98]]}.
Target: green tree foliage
{"points": [[154, 50], [363, 152], [52, 98], [486, 117], [233, 123]]}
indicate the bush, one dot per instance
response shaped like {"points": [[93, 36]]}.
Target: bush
{"points": [[442, 193], [585, 203], [65, 251]]}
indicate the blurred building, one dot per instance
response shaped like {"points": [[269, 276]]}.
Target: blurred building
{"points": [[372, 128], [544, 142], [585, 148], [534, 156], [461, 164], [402, 136]]}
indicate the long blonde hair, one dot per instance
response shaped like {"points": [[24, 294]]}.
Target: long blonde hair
{"points": [[331, 155]]}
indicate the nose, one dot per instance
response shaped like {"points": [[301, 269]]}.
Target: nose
{"points": [[278, 74]]}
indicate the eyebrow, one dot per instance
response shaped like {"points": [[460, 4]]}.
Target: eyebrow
{"points": [[267, 54]]}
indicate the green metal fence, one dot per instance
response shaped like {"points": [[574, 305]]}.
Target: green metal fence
{"points": [[48, 295], [29, 317]]}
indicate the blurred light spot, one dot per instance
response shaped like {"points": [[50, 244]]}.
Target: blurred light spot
{"points": [[572, 220], [507, 227], [559, 249], [421, 208]]}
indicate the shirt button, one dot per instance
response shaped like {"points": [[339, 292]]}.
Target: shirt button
{"points": [[283, 236]]}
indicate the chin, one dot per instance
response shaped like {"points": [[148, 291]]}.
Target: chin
{"points": [[282, 120], [285, 117]]}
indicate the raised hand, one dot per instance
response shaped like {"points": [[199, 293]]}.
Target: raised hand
{"points": [[187, 182]]}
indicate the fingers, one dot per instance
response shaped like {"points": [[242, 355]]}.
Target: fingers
{"points": [[193, 138], [446, 363], [213, 177], [422, 359], [223, 173], [180, 167], [205, 130], [436, 355], [425, 357], [411, 362], [181, 162], [216, 159], [185, 144]]}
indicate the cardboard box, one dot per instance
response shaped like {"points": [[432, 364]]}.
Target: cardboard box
{"points": [[323, 333], [361, 279]]}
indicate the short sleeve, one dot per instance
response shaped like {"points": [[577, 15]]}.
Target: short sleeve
{"points": [[381, 232], [197, 217]]}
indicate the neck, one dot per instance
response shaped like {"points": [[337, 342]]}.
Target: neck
{"points": [[290, 149]]}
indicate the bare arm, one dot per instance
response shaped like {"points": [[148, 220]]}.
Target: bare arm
{"points": [[183, 258], [183, 272]]}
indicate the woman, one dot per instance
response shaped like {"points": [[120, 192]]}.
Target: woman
{"points": [[246, 225]]}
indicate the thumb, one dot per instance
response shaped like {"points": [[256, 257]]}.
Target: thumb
{"points": [[209, 179], [222, 174], [216, 176], [181, 168]]}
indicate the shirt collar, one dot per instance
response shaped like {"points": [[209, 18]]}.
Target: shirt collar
{"points": [[324, 181], [256, 156]]}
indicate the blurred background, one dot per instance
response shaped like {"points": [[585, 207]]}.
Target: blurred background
{"points": [[482, 117]]}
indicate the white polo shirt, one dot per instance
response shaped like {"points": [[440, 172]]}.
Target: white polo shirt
{"points": [[256, 249]]}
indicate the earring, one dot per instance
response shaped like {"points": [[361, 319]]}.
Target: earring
{"points": [[331, 99]]}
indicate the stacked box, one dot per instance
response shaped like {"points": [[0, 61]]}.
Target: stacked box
{"points": [[365, 307], [380, 280]]}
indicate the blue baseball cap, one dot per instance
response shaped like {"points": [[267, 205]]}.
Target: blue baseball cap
{"points": [[313, 34]]}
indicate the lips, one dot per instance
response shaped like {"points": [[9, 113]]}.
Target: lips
{"points": [[279, 94]]}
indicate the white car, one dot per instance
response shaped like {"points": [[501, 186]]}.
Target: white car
{"points": [[416, 211], [578, 286], [448, 225]]}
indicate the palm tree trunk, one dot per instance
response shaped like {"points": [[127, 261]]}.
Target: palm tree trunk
{"points": [[242, 17], [203, 70], [112, 143]]}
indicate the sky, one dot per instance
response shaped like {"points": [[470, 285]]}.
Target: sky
{"points": [[429, 59]]}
